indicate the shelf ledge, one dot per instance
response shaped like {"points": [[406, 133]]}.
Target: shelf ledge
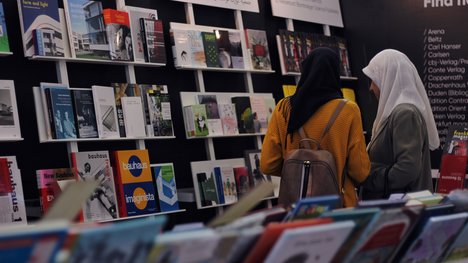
{"points": [[11, 139], [298, 74], [106, 139], [236, 70], [4, 54], [226, 136], [96, 61]]}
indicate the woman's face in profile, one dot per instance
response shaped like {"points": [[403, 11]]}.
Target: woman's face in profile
{"points": [[374, 89]]}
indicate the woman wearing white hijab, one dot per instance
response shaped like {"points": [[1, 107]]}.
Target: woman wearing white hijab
{"points": [[404, 129]]}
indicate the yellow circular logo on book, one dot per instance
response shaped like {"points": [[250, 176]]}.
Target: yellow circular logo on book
{"points": [[140, 199]]}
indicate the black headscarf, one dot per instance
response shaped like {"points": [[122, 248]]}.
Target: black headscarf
{"points": [[319, 83]]}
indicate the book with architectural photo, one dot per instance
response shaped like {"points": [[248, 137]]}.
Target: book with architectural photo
{"points": [[9, 120]]}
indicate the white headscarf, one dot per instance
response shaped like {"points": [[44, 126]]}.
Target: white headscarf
{"points": [[399, 82]]}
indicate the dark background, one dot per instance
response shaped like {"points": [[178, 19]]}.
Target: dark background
{"points": [[32, 155]]}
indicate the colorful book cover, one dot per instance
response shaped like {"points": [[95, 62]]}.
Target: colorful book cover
{"points": [[102, 205], [257, 44], [117, 24], [51, 182], [106, 113], [237, 55], [5, 182], [85, 115], [41, 15], [224, 48], [227, 113], [62, 113], [197, 52], [295, 245], [135, 14], [86, 29], [159, 108], [211, 50], [181, 50], [259, 114], [456, 141], [4, 44], [166, 187], [228, 182], [136, 194], [153, 40], [196, 120], [9, 119], [452, 173], [242, 180], [212, 113], [244, 114], [13, 203]]}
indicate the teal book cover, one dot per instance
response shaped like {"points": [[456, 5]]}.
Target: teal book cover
{"points": [[166, 187], [4, 45]]}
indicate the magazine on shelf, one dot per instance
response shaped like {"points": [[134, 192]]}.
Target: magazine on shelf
{"points": [[118, 33], [9, 120], [164, 177], [106, 113], [45, 17], [4, 43], [135, 14]]}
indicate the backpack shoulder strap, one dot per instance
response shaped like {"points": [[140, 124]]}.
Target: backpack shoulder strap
{"points": [[335, 114]]}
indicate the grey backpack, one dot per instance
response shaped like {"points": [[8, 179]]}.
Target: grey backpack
{"points": [[310, 171]]}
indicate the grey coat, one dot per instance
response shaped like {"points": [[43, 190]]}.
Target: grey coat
{"points": [[402, 147]]}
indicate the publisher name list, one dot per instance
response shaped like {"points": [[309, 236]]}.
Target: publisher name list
{"points": [[445, 79]]}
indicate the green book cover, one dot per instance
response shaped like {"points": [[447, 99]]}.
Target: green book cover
{"points": [[4, 46], [199, 118], [209, 189], [211, 50]]}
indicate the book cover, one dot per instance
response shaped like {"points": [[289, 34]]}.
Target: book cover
{"points": [[102, 205], [181, 50], [224, 48], [9, 120], [311, 207], [259, 114], [62, 113], [242, 180], [252, 160], [196, 120], [4, 43], [5, 182], [159, 109], [456, 141], [166, 187], [211, 50], [210, 190], [219, 184], [228, 183], [85, 115], [212, 113], [313, 243], [236, 53], [136, 194], [86, 29], [41, 15], [132, 109], [201, 178], [51, 183], [288, 49], [345, 69], [196, 49], [122, 90], [47, 113], [227, 113], [135, 14], [270, 105], [245, 121], [257, 44], [106, 114], [126, 241], [439, 232], [459, 249], [117, 24], [153, 40], [452, 173], [14, 201]]}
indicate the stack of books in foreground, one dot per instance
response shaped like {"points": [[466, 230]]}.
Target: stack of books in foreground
{"points": [[407, 229]]}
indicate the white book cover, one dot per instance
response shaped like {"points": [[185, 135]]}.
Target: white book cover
{"points": [[135, 13], [106, 114], [196, 48], [259, 113], [317, 243], [102, 205], [9, 120], [181, 51], [13, 208], [229, 184], [227, 113], [215, 127], [135, 125]]}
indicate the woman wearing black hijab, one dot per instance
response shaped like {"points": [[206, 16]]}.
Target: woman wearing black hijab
{"points": [[318, 94]]}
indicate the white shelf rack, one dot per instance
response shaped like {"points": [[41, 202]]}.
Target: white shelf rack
{"points": [[4, 54], [97, 61]]}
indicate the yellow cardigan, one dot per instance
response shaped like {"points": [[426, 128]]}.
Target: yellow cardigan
{"points": [[345, 140]]}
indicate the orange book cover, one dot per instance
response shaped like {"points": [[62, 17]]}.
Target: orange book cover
{"points": [[272, 232]]}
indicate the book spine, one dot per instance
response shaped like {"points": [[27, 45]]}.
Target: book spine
{"points": [[144, 39], [219, 184], [50, 113]]}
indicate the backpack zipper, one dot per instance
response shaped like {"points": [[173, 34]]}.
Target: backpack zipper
{"points": [[305, 185]]}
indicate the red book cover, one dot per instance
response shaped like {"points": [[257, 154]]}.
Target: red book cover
{"points": [[242, 180], [118, 33], [5, 181], [51, 182], [452, 173]]}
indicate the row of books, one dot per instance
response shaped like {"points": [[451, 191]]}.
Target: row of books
{"points": [[242, 114], [295, 46], [87, 30], [119, 111], [4, 43], [130, 187], [383, 231], [220, 49], [224, 182]]}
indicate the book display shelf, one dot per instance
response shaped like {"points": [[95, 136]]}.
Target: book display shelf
{"points": [[4, 54]]}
